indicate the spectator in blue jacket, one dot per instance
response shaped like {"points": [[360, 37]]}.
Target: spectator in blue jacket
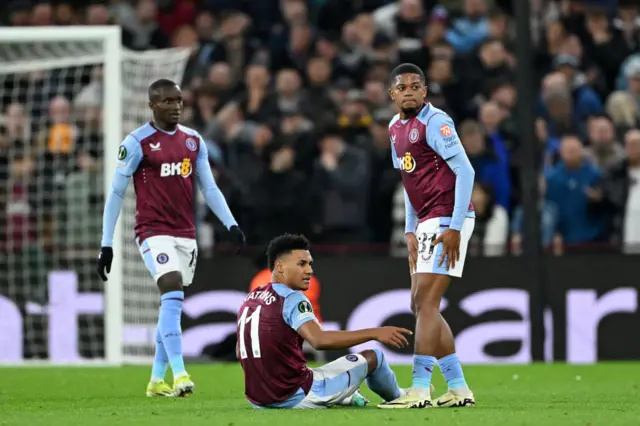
{"points": [[574, 186]]}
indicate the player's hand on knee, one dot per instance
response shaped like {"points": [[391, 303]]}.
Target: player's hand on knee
{"points": [[450, 240], [105, 258], [237, 238], [393, 336], [412, 247]]}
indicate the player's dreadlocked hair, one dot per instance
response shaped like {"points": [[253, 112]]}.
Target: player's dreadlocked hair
{"points": [[285, 244], [406, 68], [163, 83]]}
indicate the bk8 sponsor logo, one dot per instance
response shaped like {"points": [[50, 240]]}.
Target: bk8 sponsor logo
{"points": [[183, 168], [407, 163]]}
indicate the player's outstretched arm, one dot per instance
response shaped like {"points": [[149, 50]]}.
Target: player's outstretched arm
{"points": [[326, 340], [129, 158], [298, 313], [214, 197]]}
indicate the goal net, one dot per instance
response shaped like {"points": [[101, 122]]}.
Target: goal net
{"points": [[58, 143]]}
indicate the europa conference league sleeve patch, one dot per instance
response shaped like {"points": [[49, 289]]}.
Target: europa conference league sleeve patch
{"points": [[122, 152], [305, 307]]}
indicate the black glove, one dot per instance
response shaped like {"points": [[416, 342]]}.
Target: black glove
{"points": [[104, 261], [237, 238]]}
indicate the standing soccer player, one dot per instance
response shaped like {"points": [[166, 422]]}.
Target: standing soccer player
{"points": [[165, 159], [438, 181], [273, 322]]}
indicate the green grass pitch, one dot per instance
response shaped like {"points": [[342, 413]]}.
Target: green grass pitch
{"points": [[542, 395]]}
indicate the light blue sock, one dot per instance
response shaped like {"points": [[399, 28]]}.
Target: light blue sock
{"points": [[160, 362], [169, 321], [422, 370], [452, 372], [383, 380]]}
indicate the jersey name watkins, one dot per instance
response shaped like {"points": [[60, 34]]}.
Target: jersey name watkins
{"points": [[266, 296]]}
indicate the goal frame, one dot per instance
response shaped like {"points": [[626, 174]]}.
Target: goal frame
{"points": [[111, 59]]}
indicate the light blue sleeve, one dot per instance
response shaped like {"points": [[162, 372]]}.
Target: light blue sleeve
{"points": [[442, 136], [129, 158], [212, 194], [394, 156], [465, 175], [410, 215], [297, 310]]}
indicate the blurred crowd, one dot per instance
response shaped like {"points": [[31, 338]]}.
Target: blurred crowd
{"points": [[291, 98]]}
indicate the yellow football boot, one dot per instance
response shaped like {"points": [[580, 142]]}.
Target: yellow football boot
{"points": [[159, 389], [183, 386]]}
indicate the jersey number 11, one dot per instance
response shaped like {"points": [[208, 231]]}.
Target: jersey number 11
{"points": [[254, 318]]}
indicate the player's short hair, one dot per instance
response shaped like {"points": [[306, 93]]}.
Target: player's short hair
{"points": [[406, 68], [157, 85], [285, 244]]}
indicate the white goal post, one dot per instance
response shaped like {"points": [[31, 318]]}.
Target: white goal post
{"points": [[56, 308]]}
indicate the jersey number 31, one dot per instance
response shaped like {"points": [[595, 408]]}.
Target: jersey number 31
{"points": [[254, 319]]}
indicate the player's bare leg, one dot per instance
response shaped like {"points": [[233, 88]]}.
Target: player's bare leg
{"points": [[433, 338], [426, 296], [441, 344], [172, 298], [447, 342], [458, 393]]}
